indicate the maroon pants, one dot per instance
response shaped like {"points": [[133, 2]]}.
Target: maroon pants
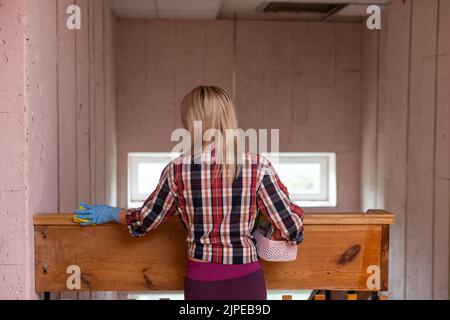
{"points": [[248, 287]]}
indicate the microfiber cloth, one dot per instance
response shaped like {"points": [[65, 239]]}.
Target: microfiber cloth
{"points": [[75, 216]]}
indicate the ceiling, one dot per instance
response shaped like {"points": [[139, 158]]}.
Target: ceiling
{"points": [[241, 9]]}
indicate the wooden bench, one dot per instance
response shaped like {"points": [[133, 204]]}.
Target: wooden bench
{"points": [[340, 252]]}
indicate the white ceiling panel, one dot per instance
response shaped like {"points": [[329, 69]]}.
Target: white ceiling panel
{"points": [[369, 2], [353, 10], [134, 4], [188, 5], [246, 6], [188, 9], [187, 14], [356, 10], [135, 13], [225, 9]]}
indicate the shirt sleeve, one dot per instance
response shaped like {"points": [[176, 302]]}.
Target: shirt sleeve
{"points": [[273, 201], [157, 209]]}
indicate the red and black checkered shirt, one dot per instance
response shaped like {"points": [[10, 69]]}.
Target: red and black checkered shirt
{"points": [[219, 218]]}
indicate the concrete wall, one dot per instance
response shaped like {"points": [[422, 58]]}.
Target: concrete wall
{"points": [[57, 121], [15, 260], [303, 78], [406, 141]]}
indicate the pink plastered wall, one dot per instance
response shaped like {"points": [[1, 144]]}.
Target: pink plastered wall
{"points": [[301, 78], [14, 257], [57, 116]]}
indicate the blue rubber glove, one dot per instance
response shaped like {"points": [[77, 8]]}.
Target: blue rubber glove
{"points": [[97, 214]]}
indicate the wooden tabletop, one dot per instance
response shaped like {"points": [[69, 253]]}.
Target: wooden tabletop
{"points": [[316, 218]]}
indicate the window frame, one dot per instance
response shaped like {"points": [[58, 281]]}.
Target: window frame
{"points": [[327, 160], [326, 199], [132, 181]]}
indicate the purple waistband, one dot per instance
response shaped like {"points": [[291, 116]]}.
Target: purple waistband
{"points": [[208, 271]]}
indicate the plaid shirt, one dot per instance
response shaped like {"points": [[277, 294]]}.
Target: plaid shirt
{"points": [[220, 219]]}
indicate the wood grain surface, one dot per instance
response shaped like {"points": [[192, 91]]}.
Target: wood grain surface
{"points": [[333, 256]]}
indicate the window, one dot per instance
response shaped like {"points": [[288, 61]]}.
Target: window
{"points": [[179, 295], [309, 177], [144, 171]]}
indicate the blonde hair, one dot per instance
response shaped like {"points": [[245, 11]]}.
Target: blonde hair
{"points": [[213, 106]]}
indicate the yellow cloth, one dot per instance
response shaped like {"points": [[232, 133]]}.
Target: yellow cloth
{"points": [[78, 220]]}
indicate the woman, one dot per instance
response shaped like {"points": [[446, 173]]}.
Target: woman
{"points": [[218, 204]]}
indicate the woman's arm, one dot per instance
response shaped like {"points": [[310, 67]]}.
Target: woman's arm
{"points": [[158, 207], [123, 216], [274, 202]]}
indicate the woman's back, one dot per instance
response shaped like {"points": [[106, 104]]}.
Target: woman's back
{"points": [[219, 217]]}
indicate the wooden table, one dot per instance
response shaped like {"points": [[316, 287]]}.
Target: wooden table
{"points": [[340, 251]]}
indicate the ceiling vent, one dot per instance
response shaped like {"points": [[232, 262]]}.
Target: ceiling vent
{"points": [[295, 7]]}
